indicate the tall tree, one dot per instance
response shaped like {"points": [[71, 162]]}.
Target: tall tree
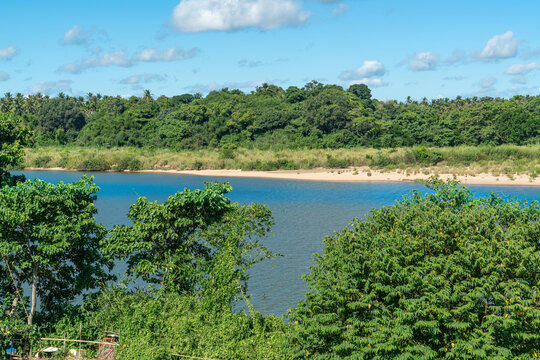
{"points": [[196, 239], [13, 138], [436, 275], [50, 241]]}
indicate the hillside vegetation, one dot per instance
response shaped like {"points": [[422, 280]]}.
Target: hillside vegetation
{"points": [[315, 116]]}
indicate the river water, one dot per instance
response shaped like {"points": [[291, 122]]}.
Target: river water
{"points": [[304, 211]]}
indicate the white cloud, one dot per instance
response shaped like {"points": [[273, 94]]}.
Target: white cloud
{"points": [[531, 53], [249, 63], [521, 69], [192, 16], [8, 53], [373, 82], [518, 80], [4, 76], [77, 36], [142, 78], [369, 68], [455, 78], [423, 61], [340, 9], [230, 85], [501, 46], [487, 83], [458, 56], [51, 87], [118, 58], [171, 54]]}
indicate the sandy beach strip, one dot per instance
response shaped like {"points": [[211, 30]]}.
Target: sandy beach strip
{"points": [[361, 175], [345, 175]]}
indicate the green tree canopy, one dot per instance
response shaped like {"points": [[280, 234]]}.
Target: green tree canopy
{"points": [[50, 241], [61, 117], [195, 239], [440, 275], [13, 138]]}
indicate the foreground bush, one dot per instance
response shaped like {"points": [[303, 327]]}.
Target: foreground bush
{"points": [[441, 275], [155, 327]]}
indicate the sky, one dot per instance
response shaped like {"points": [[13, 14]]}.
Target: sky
{"points": [[417, 48]]}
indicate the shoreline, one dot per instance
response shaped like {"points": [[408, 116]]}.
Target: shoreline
{"points": [[343, 175]]}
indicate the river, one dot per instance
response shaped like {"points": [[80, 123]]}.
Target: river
{"points": [[304, 211]]}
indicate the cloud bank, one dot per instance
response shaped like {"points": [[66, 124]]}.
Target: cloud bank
{"points": [[501, 46], [8, 53], [192, 16], [120, 58]]}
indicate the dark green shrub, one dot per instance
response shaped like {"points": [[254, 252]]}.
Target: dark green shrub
{"points": [[94, 164], [128, 163], [228, 151], [336, 163], [279, 164], [41, 161], [426, 156], [441, 275], [197, 165]]}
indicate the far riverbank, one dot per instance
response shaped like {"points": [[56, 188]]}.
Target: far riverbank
{"points": [[348, 175], [488, 165]]}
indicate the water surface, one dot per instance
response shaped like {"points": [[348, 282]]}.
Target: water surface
{"points": [[305, 212]]}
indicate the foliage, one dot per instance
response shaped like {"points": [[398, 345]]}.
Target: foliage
{"points": [[128, 163], [61, 114], [197, 241], [50, 241], [154, 327], [94, 164], [13, 138], [314, 116], [440, 275]]}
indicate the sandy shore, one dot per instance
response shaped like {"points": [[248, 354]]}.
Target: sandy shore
{"points": [[347, 175], [362, 175]]}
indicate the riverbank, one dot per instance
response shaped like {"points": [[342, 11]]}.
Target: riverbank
{"points": [[505, 165], [346, 175]]}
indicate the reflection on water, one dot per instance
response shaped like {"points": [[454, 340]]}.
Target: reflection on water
{"points": [[305, 212]]}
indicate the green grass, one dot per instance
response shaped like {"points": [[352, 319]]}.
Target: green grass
{"points": [[462, 160]]}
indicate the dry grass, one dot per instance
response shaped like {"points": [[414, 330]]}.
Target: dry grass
{"points": [[501, 161]]}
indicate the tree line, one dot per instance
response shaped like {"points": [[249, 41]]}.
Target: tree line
{"points": [[313, 116]]}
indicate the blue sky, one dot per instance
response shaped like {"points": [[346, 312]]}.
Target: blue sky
{"points": [[398, 48]]}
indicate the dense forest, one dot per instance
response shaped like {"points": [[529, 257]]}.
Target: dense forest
{"points": [[314, 116]]}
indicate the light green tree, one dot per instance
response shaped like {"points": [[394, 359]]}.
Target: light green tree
{"points": [[50, 242], [440, 275], [13, 138]]}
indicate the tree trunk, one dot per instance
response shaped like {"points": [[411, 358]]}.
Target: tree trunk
{"points": [[14, 304], [34, 295]]}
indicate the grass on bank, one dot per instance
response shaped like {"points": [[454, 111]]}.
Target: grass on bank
{"points": [[463, 160]]}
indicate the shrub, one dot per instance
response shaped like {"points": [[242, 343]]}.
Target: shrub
{"points": [[154, 327], [336, 163], [278, 164], [94, 164], [42, 161], [426, 156], [128, 163], [440, 275], [228, 151]]}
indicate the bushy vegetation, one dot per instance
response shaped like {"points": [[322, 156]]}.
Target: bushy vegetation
{"points": [[459, 160], [441, 275], [13, 138], [314, 116], [436, 275]]}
